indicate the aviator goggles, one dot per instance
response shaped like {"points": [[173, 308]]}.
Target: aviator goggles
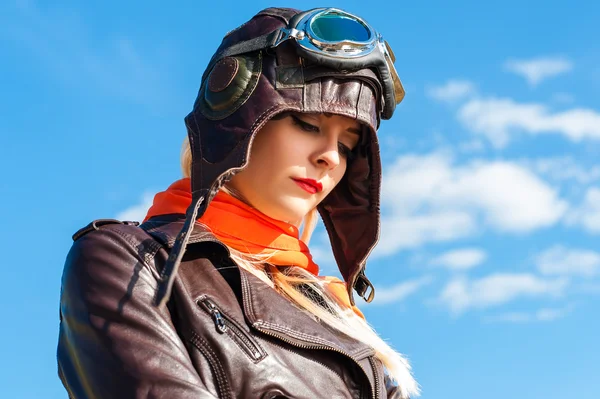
{"points": [[336, 39]]}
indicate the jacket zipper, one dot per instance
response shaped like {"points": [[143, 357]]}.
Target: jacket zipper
{"points": [[225, 325], [375, 373], [374, 394], [312, 360]]}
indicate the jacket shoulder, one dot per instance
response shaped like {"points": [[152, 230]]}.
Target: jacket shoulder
{"points": [[113, 341], [108, 246]]}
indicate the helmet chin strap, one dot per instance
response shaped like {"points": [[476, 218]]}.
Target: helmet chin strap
{"points": [[167, 276]]}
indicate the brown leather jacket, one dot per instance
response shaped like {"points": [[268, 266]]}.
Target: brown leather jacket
{"points": [[223, 334]]}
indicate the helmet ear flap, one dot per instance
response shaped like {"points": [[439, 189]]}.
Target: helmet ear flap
{"points": [[229, 85]]}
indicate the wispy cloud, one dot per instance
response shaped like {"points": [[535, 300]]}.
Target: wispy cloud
{"points": [[471, 146], [563, 98], [564, 168], [137, 212], [559, 260], [411, 231], [399, 292], [63, 45], [429, 198], [544, 314], [587, 214], [461, 259], [539, 69], [499, 118], [452, 91], [462, 294]]}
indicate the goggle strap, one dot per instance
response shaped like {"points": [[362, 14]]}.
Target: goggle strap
{"points": [[248, 46]]}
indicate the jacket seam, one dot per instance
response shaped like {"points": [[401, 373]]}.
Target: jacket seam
{"points": [[296, 334], [203, 347], [150, 249]]}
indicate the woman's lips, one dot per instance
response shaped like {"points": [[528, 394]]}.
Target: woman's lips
{"points": [[309, 185]]}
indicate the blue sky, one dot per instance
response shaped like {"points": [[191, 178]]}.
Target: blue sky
{"points": [[488, 269]]}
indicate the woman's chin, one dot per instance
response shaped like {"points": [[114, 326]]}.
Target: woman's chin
{"points": [[290, 211]]}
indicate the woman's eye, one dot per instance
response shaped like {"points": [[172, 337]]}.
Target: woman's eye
{"points": [[345, 151], [304, 125]]}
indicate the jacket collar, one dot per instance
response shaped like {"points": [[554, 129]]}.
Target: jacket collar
{"points": [[165, 228], [260, 300], [302, 329]]}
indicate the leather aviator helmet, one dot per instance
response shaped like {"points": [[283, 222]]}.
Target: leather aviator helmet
{"points": [[242, 89]]}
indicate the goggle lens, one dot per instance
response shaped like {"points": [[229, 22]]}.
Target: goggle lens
{"points": [[336, 27]]}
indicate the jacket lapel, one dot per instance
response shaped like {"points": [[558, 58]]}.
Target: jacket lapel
{"points": [[264, 308]]}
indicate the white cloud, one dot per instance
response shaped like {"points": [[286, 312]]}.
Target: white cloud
{"points": [[588, 214], [399, 292], [538, 69], [565, 169], [461, 259], [559, 260], [462, 294], [544, 314], [498, 118], [411, 231], [550, 314], [509, 317], [453, 90], [430, 199], [137, 212]]}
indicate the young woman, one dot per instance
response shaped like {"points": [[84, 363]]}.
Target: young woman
{"points": [[216, 294]]}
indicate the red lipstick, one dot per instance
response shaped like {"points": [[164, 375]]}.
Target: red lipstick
{"points": [[309, 185]]}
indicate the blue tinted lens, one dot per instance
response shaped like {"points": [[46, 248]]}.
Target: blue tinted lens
{"points": [[334, 27]]}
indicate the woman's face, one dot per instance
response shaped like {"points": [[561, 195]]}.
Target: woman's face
{"points": [[294, 148]]}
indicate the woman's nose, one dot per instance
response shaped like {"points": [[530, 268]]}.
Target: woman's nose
{"points": [[329, 157]]}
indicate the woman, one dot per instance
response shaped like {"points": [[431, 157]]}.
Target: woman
{"points": [[216, 293]]}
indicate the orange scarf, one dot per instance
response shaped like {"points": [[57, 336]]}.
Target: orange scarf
{"points": [[248, 230]]}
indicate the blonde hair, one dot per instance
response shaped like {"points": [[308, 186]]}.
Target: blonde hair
{"points": [[312, 294]]}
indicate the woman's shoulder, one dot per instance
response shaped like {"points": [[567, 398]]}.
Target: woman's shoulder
{"points": [[107, 249]]}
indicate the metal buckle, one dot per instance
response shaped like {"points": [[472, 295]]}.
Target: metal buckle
{"points": [[362, 286]]}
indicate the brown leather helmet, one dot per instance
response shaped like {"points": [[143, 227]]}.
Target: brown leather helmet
{"points": [[240, 93]]}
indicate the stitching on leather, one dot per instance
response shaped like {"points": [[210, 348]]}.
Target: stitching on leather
{"points": [[220, 375], [245, 293], [200, 144], [234, 321], [128, 240], [126, 237], [298, 334], [152, 245], [259, 121], [243, 97], [244, 349]]}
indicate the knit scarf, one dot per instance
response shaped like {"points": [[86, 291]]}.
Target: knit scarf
{"points": [[241, 227]]}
